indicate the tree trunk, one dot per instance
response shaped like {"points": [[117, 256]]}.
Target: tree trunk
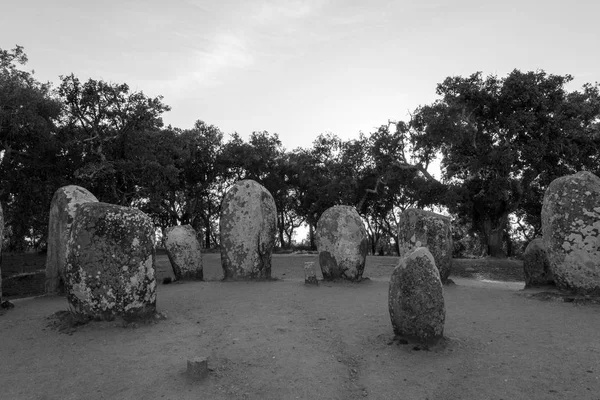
{"points": [[311, 236], [509, 244], [396, 245], [493, 235], [281, 239]]}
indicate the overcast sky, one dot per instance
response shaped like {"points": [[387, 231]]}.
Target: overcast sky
{"points": [[299, 68]]}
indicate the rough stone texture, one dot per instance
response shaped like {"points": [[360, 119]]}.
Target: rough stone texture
{"points": [[418, 228], [310, 275], [571, 232], [184, 252], [247, 228], [536, 266], [110, 263], [197, 368], [342, 243], [416, 300], [64, 204], [1, 242]]}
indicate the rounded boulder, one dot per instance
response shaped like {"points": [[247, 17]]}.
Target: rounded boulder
{"points": [[536, 266], [65, 202], [342, 243], [184, 252], [248, 227], [571, 232], [110, 263], [415, 298], [420, 228]]}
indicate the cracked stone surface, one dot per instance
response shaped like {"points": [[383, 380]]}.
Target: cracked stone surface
{"points": [[110, 263], [184, 252], [415, 298], [342, 243], [418, 228], [571, 232], [248, 227], [65, 202], [536, 266]]}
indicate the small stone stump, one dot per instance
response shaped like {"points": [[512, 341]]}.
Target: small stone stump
{"points": [[536, 266], [415, 300], [110, 263], [197, 368], [418, 228], [310, 275], [64, 204], [247, 229], [571, 232], [184, 252], [342, 243]]}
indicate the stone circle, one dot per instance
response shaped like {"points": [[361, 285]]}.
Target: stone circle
{"points": [[184, 252], [536, 266], [248, 226], [342, 243], [418, 228], [65, 202], [571, 232], [415, 298], [110, 263]]}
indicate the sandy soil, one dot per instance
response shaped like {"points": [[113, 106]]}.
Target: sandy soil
{"points": [[285, 340]]}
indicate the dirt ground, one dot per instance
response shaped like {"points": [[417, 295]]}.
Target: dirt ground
{"points": [[285, 340]]}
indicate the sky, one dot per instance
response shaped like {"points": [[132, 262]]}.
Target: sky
{"points": [[299, 68]]}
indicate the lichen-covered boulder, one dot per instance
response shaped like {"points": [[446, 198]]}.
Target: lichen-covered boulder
{"points": [[418, 228], [248, 226], [184, 252], [64, 204], [536, 266], [342, 243], [110, 263], [1, 242], [416, 300], [571, 232]]}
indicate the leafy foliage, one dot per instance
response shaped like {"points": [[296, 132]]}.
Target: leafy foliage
{"points": [[500, 141]]}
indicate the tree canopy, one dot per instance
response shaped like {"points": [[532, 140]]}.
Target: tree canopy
{"points": [[499, 142]]}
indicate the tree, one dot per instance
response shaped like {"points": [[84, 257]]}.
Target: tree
{"points": [[106, 123], [502, 141], [31, 166]]}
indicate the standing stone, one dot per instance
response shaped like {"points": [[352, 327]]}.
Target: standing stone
{"points": [[64, 204], [184, 252], [342, 243], [310, 275], [418, 228], [571, 232], [110, 263], [247, 229], [536, 266], [416, 300], [1, 243]]}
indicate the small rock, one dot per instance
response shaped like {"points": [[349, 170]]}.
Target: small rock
{"points": [[310, 275], [7, 304], [197, 368]]}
